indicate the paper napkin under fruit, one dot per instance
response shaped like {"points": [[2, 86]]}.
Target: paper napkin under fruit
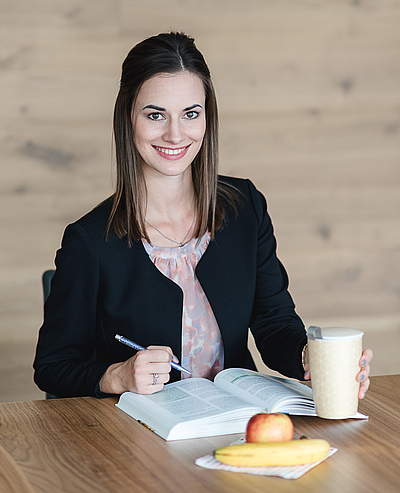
{"points": [[286, 472]]}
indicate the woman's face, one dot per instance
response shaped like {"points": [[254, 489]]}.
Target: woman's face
{"points": [[169, 122]]}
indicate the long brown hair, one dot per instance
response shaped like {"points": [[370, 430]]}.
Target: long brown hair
{"points": [[166, 53]]}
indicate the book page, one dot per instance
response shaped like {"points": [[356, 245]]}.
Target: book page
{"points": [[189, 408], [186, 400], [271, 393], [194, 398]]}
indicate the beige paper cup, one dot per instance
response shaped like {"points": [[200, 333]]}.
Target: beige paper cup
{"points": [[334, 355]]}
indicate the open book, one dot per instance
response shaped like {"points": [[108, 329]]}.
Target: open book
{"points": [[197, 407]]}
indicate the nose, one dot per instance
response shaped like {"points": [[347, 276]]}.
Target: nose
{"points": [[174, 132]]}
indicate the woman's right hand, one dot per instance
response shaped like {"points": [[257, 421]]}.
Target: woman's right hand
{"points": [[145, 373]]}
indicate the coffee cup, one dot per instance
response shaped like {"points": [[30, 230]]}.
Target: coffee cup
{"points": [[334, 356]]}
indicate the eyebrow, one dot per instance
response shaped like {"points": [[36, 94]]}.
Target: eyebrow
{"points": [[159, 108]]}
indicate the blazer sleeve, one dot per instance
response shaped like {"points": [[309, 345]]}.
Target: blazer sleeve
{"points": [[279, 332], [65, 362]]}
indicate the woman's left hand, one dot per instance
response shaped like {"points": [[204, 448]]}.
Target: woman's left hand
{"points": [[362, 376]]}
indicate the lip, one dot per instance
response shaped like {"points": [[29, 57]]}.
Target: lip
{"points": [[172, 153]]}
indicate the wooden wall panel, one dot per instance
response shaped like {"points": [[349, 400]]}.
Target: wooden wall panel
{"points": [[309, 96]]}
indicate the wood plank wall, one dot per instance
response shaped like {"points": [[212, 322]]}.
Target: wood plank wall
{"points": [[309, 96]]}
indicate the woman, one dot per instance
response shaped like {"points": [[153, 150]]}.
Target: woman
{"points": [[177, 257]]}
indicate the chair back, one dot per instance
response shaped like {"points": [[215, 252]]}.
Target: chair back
{"points": [[46, 285]]}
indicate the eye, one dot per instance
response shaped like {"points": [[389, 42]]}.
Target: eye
{"points": [[191, 115], [155, 116]]}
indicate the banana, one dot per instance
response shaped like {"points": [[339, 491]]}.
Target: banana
{"points": [[288, 453]]}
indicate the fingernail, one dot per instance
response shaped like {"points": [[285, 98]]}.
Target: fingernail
{"points": [[175, 359], [306, 375], [363, 362], [362, 378]]}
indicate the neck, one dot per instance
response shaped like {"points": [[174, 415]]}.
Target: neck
{"points": [[171, 210], [170, 198]]}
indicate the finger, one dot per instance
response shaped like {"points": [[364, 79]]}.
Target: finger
{"points": [[153, 355], [143, 368], [363, 373], [363, 388], [168, 349], [163, 348], [158, 379], [155, 383], [160, 368], [366, 357], [365, 370], [148, 383]]}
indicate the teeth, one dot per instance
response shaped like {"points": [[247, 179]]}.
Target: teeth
{"points": [[170, 152]]}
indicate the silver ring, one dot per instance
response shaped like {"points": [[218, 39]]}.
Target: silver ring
{"points": [[155, 378]]}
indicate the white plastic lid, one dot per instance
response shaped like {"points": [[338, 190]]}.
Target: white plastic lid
{"points": [[334, 333]]}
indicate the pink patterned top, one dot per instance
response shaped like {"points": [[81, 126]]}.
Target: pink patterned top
{"points": [[202, 348]]}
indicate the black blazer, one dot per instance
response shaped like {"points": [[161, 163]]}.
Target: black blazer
{"points": [[103, 287]]}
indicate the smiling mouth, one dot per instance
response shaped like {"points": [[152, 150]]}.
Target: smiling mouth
{"points": [[171, 152]]}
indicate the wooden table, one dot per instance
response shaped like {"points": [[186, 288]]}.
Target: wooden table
{"points": [[87, 445]]}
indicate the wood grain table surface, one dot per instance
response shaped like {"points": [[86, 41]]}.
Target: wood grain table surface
{"points": [[85, 445]]}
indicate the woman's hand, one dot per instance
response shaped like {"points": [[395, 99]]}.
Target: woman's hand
{"points": [[145, 373], [362, 376]]}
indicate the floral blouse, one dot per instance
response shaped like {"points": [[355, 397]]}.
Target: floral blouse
{"points": [[202, 348]]}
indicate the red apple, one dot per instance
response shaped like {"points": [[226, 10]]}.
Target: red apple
{"points": [[275, 427]]}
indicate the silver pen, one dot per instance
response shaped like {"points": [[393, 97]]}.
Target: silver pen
{"points": [[133, 345]]}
